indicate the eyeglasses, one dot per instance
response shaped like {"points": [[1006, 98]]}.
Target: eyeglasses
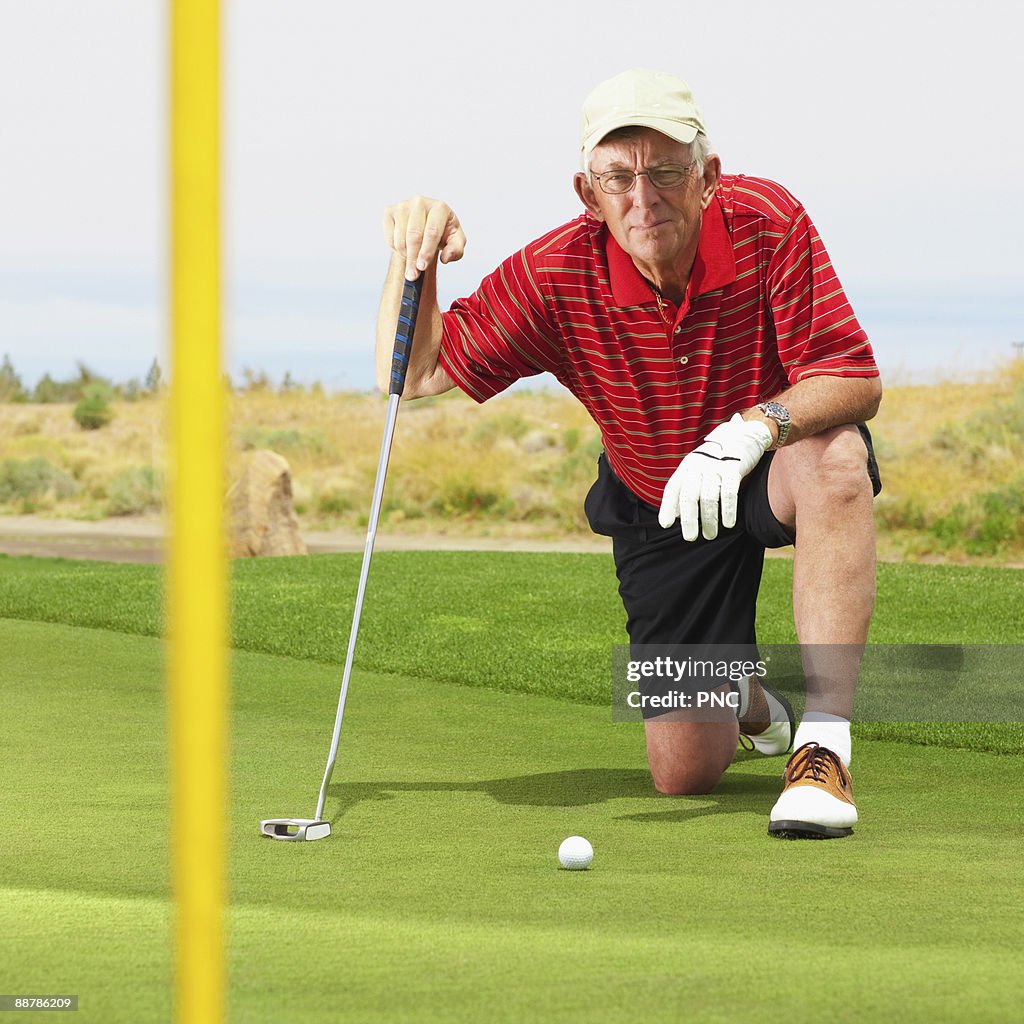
{"points": [[665, 176]]}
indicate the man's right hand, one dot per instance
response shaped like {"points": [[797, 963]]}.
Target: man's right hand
{"points": [[708, 479], [420, 228]]}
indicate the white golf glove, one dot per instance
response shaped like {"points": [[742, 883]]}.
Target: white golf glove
{"points": [[710, 476]]}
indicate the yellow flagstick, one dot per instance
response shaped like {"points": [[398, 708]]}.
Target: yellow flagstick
{"points": [[197, 604]]}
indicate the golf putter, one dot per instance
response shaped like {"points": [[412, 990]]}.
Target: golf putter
{"points": [[308, 829]]}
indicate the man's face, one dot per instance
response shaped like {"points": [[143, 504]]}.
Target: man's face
{"points": [[657, 227]]}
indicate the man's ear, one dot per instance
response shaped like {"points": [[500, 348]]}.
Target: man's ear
{"points": [[586, 193], [712, 172]]}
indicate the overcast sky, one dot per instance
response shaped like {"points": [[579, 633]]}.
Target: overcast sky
{"points": [[897, 124]]}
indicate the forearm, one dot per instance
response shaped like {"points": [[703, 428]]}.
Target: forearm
{"points": [[818, 403], [425, 376]]}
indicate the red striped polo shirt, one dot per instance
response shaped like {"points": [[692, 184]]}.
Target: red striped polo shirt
{"points": [[763, 309]]}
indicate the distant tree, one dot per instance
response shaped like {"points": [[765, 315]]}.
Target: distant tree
{"points": [[289, 384], [85, 377], [154, 378], [131, 390], [11, 388], [48, 390], [93, 410], [255, 380]]}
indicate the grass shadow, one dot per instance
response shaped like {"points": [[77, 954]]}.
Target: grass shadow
{"points": [[577, 788], [736, 793]]}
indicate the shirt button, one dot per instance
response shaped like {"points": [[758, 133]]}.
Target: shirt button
{"points": [[679, 329], [683, 360]]}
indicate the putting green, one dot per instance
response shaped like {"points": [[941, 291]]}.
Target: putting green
{"points": [[438, 897]]}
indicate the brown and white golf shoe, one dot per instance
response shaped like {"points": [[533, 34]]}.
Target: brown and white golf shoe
{"points": [[817, 801]]}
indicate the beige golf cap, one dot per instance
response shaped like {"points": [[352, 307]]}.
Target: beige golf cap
{"points": [[653, 99]]}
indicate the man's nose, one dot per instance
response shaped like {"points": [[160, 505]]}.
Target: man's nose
{"points": [[644, 193]]}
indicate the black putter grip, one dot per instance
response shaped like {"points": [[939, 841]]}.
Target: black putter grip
{"points": [[404, 333]]}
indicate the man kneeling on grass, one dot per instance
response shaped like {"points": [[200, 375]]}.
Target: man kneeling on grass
{"points": [[697, 317]]}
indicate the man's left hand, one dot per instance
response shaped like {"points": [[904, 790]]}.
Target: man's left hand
{"points": [[709, 477]]}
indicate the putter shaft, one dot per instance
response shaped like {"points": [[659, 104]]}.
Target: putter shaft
{"points": [[371, 533], [405, 329]]}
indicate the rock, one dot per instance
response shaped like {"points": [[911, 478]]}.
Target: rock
{"points": [[260, 509]]}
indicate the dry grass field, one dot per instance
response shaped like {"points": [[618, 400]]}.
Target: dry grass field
{"points": [[951, 457]]}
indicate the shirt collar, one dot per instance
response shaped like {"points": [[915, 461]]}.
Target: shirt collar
{"points": [[714, 266]]}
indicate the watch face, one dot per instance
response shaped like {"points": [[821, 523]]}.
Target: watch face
{"points": [[778, 412]]}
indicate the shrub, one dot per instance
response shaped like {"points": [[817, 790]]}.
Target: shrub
{"points": [[463, 495], [988, 524], [900, 513], [498, 425], [93, 411], [576, 470], [333, 504], [28, 480], [287, 442], [134, 491]]}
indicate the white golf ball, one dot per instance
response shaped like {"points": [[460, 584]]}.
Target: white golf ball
{"points": [[575, 854]]}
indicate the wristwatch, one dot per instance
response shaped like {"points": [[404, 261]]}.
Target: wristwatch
{"points": [[778, 412]]}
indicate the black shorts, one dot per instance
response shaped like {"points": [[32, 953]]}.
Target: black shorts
{"points": [[691, 592]]}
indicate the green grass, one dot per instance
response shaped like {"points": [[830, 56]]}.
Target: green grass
{"points": [[438, 898], [537, 623]]}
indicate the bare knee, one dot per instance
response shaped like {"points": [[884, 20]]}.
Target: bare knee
{"points": [[842, 466], [827, 470], [687, 780], [686, 757]]}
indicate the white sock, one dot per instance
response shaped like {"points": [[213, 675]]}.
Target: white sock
{"points": [[829, 731]]}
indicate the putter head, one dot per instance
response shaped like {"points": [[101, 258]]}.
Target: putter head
{"points": [[295, 830]]}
